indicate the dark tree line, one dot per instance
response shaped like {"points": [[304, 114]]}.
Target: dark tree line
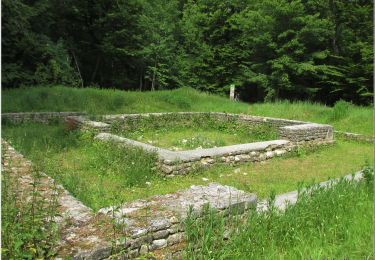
{"points": [[320, 50]]}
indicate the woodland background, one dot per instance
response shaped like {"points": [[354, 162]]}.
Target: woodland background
{"points": [[317, 50]]}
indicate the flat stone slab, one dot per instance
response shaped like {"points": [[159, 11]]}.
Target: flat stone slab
{"points": [[230, 149], [306, 126], [84, 122], [196, 154], [162, 211]]}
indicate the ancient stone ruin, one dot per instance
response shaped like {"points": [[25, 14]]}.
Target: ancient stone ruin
{"points": [[156, 224], [291, 134]]}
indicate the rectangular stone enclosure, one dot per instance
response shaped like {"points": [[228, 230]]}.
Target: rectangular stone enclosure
{"points": [[157, 223], [290, 132]]}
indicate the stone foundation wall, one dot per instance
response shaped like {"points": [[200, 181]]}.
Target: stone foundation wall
{"points": [[154, 225], [182, 167], [226, 117], [356, 137], [257, 120], [84, 124], [173, 163], [292, 130], [40, 117], [158, 223], [79, 228], [306, 132]]}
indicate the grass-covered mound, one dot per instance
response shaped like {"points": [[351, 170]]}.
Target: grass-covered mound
{"points": [[343, 116]]}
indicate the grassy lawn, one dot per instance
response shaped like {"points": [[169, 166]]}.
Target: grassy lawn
{"points": [[102, 174], [192, 134], [186, 139], [343, 117], [334, 223]]}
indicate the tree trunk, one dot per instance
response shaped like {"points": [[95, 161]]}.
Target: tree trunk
{"points": [[335, 46], [153, 81], [79, 71], [141, 81], [95, 70]]}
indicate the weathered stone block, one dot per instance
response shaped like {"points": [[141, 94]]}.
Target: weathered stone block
{"points": [[175, 238], [160, 234], [160, 243]]}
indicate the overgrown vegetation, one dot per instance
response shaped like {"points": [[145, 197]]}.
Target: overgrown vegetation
{"points": [[102, 174], [335, 221], [95, 172], [28, 230], [352, 118], [178, 132], [270, 49]]}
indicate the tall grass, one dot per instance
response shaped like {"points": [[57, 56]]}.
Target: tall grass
{"points": [[106, 101], [102, 174], [326, 223], [27, 227], [93, 171]]}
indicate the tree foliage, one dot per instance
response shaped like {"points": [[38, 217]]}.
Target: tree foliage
{"points": [[319, 50]]}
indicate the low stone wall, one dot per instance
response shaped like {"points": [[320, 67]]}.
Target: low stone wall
{"points": [[153, 225], [254, 120], [84, 124], [81, 232], [40, 117], [356, 137], [157, 223], [306, 132], [257, 120], [293, 130], [173, 163]]}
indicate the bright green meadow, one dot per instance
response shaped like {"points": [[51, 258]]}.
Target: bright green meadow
{"points": [[343, 116]]}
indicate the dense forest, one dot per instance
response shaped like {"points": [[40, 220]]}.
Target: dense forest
{"points": [[319, 50]]}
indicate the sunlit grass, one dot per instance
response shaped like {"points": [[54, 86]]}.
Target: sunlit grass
{"points": [[334, 223], [194, 138], [103, 174], [106, 101]]}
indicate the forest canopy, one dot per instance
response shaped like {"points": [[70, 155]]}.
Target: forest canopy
{"points": [[318, 50]]}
